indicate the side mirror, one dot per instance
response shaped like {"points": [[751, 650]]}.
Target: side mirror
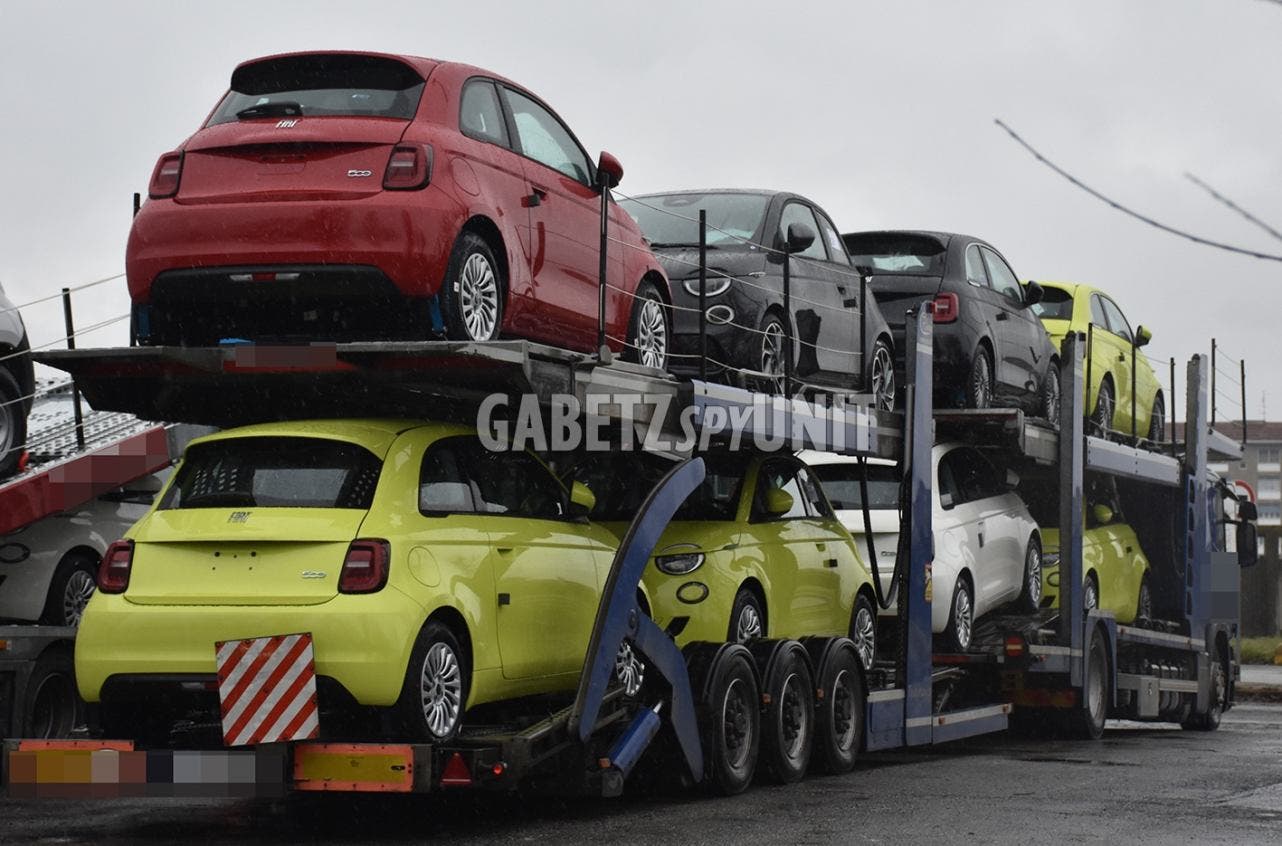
{"points": [[582, 497], [1033, 293], [800, 237], [1103, 514], [1248, 550], [1012, 479], [1142, 336], [609, 173], [778, 502], [1246, 511]]}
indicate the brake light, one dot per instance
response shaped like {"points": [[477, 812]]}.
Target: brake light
{"points": [[409, 167], [946, 308], [113, 573], [165, 178], [1015, 647], [365, 567]]}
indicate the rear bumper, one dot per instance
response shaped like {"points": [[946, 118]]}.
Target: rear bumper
{"points": [[408, 236], [362, 642]]}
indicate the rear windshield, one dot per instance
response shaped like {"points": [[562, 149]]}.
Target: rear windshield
{"points": [[1056, 304], [909, 255], [672, 220], [841, 483], [321, 85], [281, 472]]}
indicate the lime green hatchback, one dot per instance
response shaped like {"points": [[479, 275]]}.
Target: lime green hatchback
{"points": [[433, 574], [755, 551], [1066, 307]]}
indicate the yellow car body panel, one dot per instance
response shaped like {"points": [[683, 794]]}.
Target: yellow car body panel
{"points": [[1110, 357], [525, 589], [1113, 556]]}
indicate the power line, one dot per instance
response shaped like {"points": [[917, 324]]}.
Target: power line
{"points": [[1197, 239], [1232, 205]]}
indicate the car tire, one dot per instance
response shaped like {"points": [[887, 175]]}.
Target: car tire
{"points": [[436, 686], [979, 384], [839, 709], [1049, 397], [880, 381], [961, 617], [1090, 594], [1144, 601], [51, 707], [1030, 597], [863, 631], [473, 291], [1087, 718], [13, 424], [747, 618], [730, 722], [73, 583], [787, 711], [1105, 406], [773, 345], [1157, 421], [650, 329]]}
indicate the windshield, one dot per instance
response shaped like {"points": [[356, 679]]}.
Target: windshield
{"points": [[321, 85], [284, 472], [909, 255], [1056, 304], [673, 219], [841, 484], [621, 483]]}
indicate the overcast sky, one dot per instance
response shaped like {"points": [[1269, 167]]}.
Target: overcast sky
{"points": [[880, 112]]}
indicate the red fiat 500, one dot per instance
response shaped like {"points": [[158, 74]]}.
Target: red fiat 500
{"points": [[357, 196]]}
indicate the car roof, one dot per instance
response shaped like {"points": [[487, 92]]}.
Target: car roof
{"points": [[376, 435], [422, 64]]}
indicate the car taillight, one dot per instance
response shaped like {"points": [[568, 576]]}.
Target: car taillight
{"points": [[409, 167], [365, 567], [164, 179], [945, 308], [113, 573]]}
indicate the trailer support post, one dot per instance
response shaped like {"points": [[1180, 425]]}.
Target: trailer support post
{"points": [[918, 443], [1071, 445]]}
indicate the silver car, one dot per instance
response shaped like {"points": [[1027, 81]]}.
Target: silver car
{"points": [[17, 383]]}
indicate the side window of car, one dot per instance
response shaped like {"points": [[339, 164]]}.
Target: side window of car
{"points": [[514, 484], [948, 494], [1116, 320], [480, 115], [836, 250], [1002, 278], [975, 271], [783, 476], [974, 476], [816, 503], [795, 212], [1097, 312], [442, 486], [546, 140]]}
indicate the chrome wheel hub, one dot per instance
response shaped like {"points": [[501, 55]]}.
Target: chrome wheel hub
{"points": [[479, 298], [629, 669], [748, 626], [772, 350], [865, 637], [1035, 576], [441, 690], [883, 379], [962, 611], [652, 334], [75, 596], [1090, 596]]}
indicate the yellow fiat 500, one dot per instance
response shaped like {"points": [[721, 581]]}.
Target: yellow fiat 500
{"points": [[755, 551], [432, 574], [1065, 308]]}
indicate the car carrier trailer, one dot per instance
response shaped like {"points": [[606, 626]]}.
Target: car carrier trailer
{"points": [[1065, 664]]}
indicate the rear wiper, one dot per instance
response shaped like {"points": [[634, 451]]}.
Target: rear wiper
{"points": [[283, 108]]}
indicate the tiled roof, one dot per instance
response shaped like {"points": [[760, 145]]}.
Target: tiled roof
{"points": [[1257, 431]]}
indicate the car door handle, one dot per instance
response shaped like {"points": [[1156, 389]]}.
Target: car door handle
{"points": [[539, 194], [821, 546], [1001, 315], [503, 550]]}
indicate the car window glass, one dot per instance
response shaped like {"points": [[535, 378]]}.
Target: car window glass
{"points": [[975, 271], [480, 115], [816, 503], [948, 496], [544, 139], [1116, 320], [836, 249], [442, 485], [512, 483], [1097, 312], [842, 487], [801, 213], [717, 497], [1002, 278]]}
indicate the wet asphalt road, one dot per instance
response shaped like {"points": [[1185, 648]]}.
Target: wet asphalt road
{"points": [[1139, 785]]}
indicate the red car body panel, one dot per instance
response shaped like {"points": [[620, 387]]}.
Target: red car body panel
{"points": [[255, 193]]}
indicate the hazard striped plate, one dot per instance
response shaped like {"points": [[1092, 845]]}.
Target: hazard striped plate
{"points": [[267, 689]]}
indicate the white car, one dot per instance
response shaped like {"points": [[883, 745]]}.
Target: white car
{"points": [[49, 569], [987, 547]]}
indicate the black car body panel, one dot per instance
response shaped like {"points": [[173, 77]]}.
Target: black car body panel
{"points": [[909, 268], [834, 340]]}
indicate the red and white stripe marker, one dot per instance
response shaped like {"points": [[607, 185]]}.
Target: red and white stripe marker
{"points": [[267, 689]]}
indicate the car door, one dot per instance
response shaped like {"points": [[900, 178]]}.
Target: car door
{"points": [[1122, 340], [991, 311], [565, 218], [544, 565], [840, 570], [826, 349], [1023, 348], [849, 330], [1104, 353], [998, 555], [958, 534]]}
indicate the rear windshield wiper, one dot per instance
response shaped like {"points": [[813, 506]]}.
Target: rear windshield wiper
{"points": [[283, 108]]}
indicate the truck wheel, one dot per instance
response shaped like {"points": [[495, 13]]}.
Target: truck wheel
{"points": [[1030, 599], [788, 709], [730, 721], [69, 591], [839, 709], [1210, 721], [13, 424], [1087, 718], [51, 707], [436, 686]]}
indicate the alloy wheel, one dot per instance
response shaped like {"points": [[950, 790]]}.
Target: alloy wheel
{"points": [[865, 636], [441, 690], [1144, 608], [7, 427], [652, 334], [962, 611], [772, 352], [1090, 596], [629, 669], [75, 596], [748, 626], [981, 381], [479, 298], [1034, 575], [883, 378]]}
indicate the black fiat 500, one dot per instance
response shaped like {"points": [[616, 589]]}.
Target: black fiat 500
{"points": [[990, 346], [837, 345]]}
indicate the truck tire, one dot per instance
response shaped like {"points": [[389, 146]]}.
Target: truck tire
{"points": [[1210, 721], [51, 706], [839, 708], [1086, 720], [787, 709], [730, 721]]}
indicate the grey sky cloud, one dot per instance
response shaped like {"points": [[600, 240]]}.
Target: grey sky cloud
{"points": [[881, 112]]}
